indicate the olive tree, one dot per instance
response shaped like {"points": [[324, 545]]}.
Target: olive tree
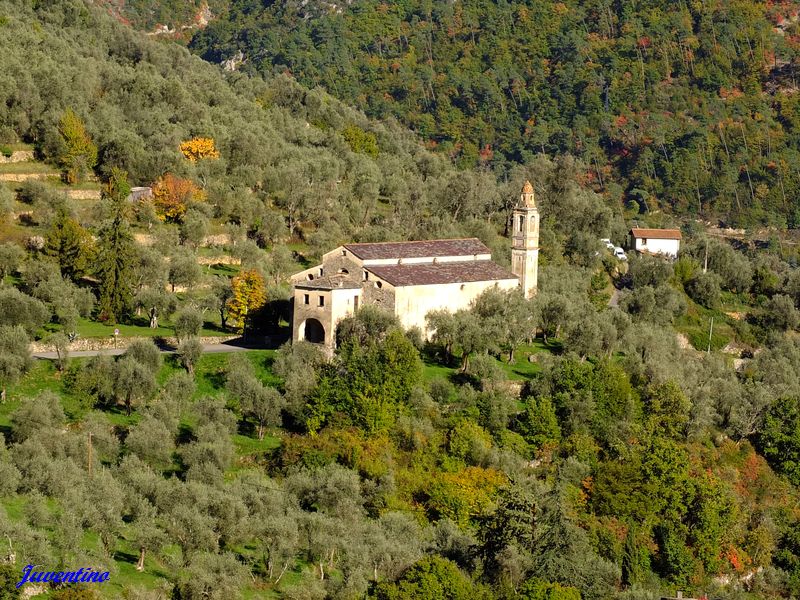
{"points": [[189, 351], [15, 356]]}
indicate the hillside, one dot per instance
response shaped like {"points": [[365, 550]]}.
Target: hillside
{"points": [[688, 107], [335, 174], [176, 17]]}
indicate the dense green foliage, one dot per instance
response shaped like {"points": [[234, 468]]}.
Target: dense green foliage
{"points": [[174, 14], [683, 105]]}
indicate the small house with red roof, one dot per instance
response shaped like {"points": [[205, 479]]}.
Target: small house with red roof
{"points": [[665, 242]]}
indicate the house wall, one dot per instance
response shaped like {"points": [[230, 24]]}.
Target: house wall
{"points": [[341, 252], [332, 263], [378, 292], [413, 303], [303, 311], [339, 303], [656, 246], [343, 303]]}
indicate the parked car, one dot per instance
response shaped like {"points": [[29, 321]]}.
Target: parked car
{"points": [[608, 243], [620, 253]]}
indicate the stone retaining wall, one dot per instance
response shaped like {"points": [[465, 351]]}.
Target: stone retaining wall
{"points": [[17, 156], [122, 342], [84, 194], [20, 177]]}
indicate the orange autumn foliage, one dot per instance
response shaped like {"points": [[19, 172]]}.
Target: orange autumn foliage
{"points": [[172, 195]]}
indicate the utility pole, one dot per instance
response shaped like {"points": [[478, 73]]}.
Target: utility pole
{"points": [[89, 454], [710, 331]]}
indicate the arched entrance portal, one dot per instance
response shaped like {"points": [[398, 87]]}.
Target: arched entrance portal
{"points": [[313, 331]]}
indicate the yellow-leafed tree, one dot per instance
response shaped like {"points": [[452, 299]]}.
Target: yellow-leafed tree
{"points": [[249, 294], [172, 195], [199, 147], [80, 153]]}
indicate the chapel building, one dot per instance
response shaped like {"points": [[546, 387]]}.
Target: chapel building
{"points": [[411, 279]]}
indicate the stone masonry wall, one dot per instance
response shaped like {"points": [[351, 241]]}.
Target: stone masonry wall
{"points": [[82, 344], [17, 156]]}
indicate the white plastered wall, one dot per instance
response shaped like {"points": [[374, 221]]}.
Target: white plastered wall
{"points": [[413, 303], [659, 246]]}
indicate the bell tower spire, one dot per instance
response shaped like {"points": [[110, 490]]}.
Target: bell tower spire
{"points": [[525, 241]]}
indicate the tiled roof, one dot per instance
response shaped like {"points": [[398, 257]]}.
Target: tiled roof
{"points": [[657, 234], [420, 249], [438, 273]]}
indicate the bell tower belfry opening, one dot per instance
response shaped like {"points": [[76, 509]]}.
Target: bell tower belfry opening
{"points": [[525, 241]]}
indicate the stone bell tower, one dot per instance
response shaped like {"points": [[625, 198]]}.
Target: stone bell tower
{"points": [[525, 241]]}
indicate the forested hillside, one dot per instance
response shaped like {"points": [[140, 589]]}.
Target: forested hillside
{"points": [[688, 106], [632, 430], [171, 14], [282, 146]]}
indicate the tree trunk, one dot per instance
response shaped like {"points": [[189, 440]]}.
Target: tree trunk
{"points": [[140, 564], [153, 318], [511, 355], [260, 431], [3, 395], [321, 571], [223, 319], [465, 362], [128, 405], [283, 570]]}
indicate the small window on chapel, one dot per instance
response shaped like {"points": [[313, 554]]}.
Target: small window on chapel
{"points": [[322, 300], [306, 299], [521, 223]]}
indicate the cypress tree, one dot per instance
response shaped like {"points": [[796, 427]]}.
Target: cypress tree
{"points": [[116, 251], [70, 244]]}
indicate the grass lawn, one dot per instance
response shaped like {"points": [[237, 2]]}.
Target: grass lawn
{"points": [[301, 249], [18, 146], [520, 370], [42, 377], [28, 167], [84, 185], [221, 269], [209, 378], [696, 323], [93, 329], [209, 374]]}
